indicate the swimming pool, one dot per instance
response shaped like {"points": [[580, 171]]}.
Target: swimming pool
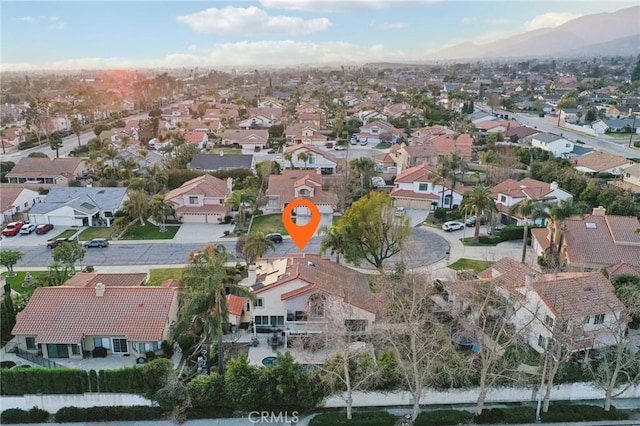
{"points": [[268, 360]]}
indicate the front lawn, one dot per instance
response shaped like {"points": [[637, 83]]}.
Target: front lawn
{"points": [[226, 151], [159, 275], [96, 232], [65, 234], [382, 145], [268, 224], [465, 264], [149, 232], [16, 282], [485, 240]]}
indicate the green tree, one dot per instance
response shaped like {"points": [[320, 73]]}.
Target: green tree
{"points": [[7, 318], [476, 203], [558, 213], [137, 205], [55, 142], [204, 301], [68, 253], [9, 258], [256, 245], [288, 156], [160, 209], [372, 230], [527, 209], [240, 200], [333, 240], [304, 157], [76, 128], [36, 114], [364, 169], [242, 383], [156, 179]]}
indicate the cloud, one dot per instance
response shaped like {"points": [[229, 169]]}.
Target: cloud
{"points": [[28, 19], [57, 26], [54, 21], [498, 21], [468, 20], [550, 20], [336, 5], [250, 20], [242, 53], [384, 26]]}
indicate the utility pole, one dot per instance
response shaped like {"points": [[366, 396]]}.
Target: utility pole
{"points": [[633, 129]]}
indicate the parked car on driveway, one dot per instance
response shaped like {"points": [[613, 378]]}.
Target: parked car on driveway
{"points": [[495, 229], [27, 228], [43, 229], [276, 238], [97, 242], [471, 222], [452, 226], [12, 229]]}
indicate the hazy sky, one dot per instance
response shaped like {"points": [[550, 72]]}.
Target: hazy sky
{"points": [[99, 34]]}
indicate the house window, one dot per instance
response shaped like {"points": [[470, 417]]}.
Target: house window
{"points": [[304, 192], [258, 303], [193, 200], [542, 341], [598, 319], [31, 343], [316, 305], [354, 326], [568, 145], [273, 202], [120, 345], [423, 187], [221, 200], [248, 307], [101, 342], [503, 199], [262, 320], [548, 321], [447, 200], [75, 349], [277, 320], [311, 159], [586, 320]]}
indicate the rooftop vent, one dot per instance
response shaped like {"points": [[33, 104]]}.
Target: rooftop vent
{"points": [[313, 265], [590, 225], [101, 191]]}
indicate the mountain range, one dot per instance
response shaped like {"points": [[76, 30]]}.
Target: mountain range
{"points": [[615, 33]]}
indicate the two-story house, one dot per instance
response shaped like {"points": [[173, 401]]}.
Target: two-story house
{"points": [[257, 121], [46, 172], [308, 294], [15, 200], [304, 134], [378, 131], [420, 187], [201, 200], [559, 146], [292, 184], [316, 159], [510, 192]]}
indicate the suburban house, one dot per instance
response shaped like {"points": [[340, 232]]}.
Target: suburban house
{"points": [[15, 200], [257, 121], [615, 125], [292, 184], [495, 126], [201, 200], [520, 134], [379, 131], [246, 138], [369, 116], [212, 162], [236, 308], [70, 322], [558, 145], [397, 110], [270, 103], [79, 206], [410, 156], [307, 294], [317, 159], [445, 145], [631, 178], [420, 188], [46, 172], [602, 162], [316, 119], [386, 163], [198, 138], [594, 241], [511, 192], [304, 134]]}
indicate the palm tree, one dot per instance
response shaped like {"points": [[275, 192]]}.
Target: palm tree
{"points": [[204, 303], [455, 165], [477, 202], [289, 157], [76, 128], [527, 209], [239, 199], [304, 157], [558, 213], [365, 168], [444, 169], [256, 245], [137, 205], [160, 209], [156, 179], [333, 240]]}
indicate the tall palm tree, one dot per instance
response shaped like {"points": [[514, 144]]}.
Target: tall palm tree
{"points": [[156, 179], [304, 157], [455, 165], [289, 157], [365, 168], [76, 128], [444, 169], [527, 209], [137, 205], [204, 300], [256, 245], [333, 240], [240, 199], [558, 214], [478, 201]]}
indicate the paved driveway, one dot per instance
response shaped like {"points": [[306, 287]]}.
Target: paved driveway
{"points": [[201, 232], [32, 239], [326, 219]]}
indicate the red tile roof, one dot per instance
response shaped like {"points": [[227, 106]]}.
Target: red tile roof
{"points": [[68, 314], [527, 187], [86, 279], [599, 161], [235, 304], [206, 185], [284, 186], [8, 196], [419, 173], [407, 193]]}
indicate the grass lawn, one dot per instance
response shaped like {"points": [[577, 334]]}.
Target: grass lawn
{"points": [[485, 240], [476, 265], [268, 224], [226, 151], [160, 275], [149, 232], [16, 282], [383, 146], [65, 234], [96, 232]]}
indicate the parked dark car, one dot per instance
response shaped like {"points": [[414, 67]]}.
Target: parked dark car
{"points": [[97, 242], [471, 222], [55, 243], [276, 238], [43, 229]]}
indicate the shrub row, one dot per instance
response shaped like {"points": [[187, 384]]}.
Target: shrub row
{"points": [[511, 415], [16, 415], [117, 413], [581, 413], [443, 418], [377, 418]]}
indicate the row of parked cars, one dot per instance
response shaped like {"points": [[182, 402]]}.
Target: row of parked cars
{"points": [[14, 228]]}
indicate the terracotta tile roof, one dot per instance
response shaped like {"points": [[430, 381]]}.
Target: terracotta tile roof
{"points": [[329, 277], [35, 167], [622, 268], [419, 173], [520, 132], [407, 193], [194, 137], [206, 185], [86, 279], [235, 304], [578, 297], [329, 156], [507, 272], [542, 237], [284, 186], [67, 314], [598, 161], [171, 283], [8, 195], [420, 151], [527, 187], [488, 125], [385, 158], [609, 240], [246, 136]]}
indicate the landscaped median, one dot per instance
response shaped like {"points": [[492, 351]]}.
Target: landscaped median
{"points": [[96, 232], [150, 232]]}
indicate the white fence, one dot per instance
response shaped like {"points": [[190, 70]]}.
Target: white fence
{"points": [[582, 129], [53, 403]]}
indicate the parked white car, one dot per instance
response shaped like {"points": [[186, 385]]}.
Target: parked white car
{"points": [[28, 228], [452, 226]]}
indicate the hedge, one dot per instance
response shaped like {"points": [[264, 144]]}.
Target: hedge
{"points": [[116, 413], [16, 415], [511, 415], [581, 412], [511, 232], [209, 413], [443, 418], [376, 418]]}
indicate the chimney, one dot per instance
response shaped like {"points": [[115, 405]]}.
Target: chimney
{"points": [[599, 211], [230, 184], [100, 290], [554, 185], [251, 278], [530, 279]]}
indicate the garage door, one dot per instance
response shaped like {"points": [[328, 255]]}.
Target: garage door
{"points": [[413, 204], [194, 218], [213, 218]]}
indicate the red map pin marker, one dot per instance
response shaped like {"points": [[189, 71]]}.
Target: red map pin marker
{"points": [[301, 234]]}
